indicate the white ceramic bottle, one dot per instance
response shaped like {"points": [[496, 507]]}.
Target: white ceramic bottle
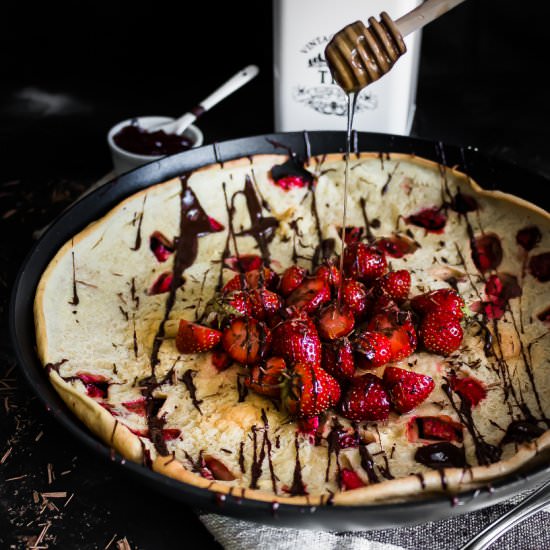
{"points": [[306, 97]]}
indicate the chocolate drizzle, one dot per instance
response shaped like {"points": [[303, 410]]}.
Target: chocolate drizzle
{"points": [[75, 300], [297, 487], [262, 228], [485, 452], [187, 379], [258, 458], [137, 243], [521, 431], [194, 223], [440, 455]]}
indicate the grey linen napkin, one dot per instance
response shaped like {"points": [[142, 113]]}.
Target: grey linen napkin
{"points": [[449, 534]]}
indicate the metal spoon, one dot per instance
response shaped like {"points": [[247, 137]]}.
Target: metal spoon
{"points": [[532, 504], [233, 84]]}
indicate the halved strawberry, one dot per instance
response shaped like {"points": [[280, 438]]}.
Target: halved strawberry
{"points": [[372, 349], [364, 262], [365, 399], [265, 303], [398, 327], [297, 341], [246, 340], [310, 295], [440, 332], [335, 321], [444, 299], [195, 338], [266, 378], [349, 480], [309, 391], [355, 296], [469, 388], [330, 273], [291, 279], [337, 359], [407, 389], [396, 285]]}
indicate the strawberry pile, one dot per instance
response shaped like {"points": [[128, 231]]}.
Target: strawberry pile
{"points": [[318, 340]]}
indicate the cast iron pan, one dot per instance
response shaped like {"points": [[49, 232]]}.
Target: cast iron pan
{"points": [[488, 172]]}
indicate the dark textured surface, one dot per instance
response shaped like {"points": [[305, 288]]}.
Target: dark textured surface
{"points": [[66, 81]]}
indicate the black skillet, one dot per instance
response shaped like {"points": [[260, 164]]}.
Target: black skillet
{"points": [[489, 173]]}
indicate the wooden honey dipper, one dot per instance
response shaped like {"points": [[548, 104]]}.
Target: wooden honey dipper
{"points": [[358, 55]]}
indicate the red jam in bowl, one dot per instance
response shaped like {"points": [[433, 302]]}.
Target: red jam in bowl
{"points": [[135, 139]]}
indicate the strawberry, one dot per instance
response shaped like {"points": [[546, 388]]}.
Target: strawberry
{"points": [[337, 359], [398, 327], [438, 428], [311, 294], [355, 296], [246, 340], [407, 389], [444, 299], [329, 273], [372, 349], [195, 338], [297, 341], [291, 279], [349, 480], [266, 378], [365, 399], [335, 321], [309, 391], [237, 302], [469, 388], [396, 285], [440, 332], [256, 278], [221, 360], [265, 303], [363, 262]]}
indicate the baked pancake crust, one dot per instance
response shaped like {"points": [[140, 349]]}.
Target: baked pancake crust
{"points": [[107, 310]]}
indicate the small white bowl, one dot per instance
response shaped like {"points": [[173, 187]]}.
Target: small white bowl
{"points": [[124, 161]]}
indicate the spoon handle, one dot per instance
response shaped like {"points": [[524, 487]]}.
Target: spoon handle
{"points": [[533, 503], [424, 14], [234, 83]]}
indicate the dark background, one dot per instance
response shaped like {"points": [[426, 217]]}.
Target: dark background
{"points": [[69, 71]]}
